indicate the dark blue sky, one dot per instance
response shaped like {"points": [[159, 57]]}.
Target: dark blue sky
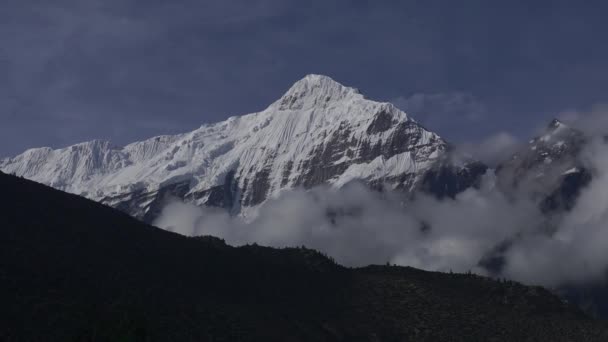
{"points": [[75, 70]]}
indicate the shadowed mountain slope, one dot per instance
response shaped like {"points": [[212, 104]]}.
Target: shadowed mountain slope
{"points": [[74, 270]]}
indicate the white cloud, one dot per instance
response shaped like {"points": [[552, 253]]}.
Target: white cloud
{"points": [[493, 149], [576, 252], [357, 227]]}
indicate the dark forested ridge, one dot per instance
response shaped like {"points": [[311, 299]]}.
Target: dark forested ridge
{"points": [[74, 270]]}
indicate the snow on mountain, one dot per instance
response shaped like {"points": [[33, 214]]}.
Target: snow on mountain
{"points": [[548, 168], [318, 132]]}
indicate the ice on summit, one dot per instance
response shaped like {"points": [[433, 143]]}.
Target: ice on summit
{"points": [[313, 91]]}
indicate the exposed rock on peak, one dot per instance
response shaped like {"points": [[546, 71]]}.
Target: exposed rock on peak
{"points": [[554, 124], [549, 168]]}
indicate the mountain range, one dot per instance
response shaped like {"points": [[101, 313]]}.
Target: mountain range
{"points": [[318, 132]]}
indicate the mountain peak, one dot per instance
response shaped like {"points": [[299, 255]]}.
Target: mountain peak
{"points": [[557, 129], [555, 124], [557, 132], [319, 133], [317, 80], [314, 90]]}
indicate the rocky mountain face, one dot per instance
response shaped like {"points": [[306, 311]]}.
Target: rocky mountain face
{"points": [[550, 172], [549, 168], [319, 132]]}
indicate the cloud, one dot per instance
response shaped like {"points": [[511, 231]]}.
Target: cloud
{"points": [[491, 150], [453, 112], [358, 226], [576, 252], [337, 222]]}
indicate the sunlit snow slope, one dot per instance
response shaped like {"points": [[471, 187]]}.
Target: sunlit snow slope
{"points": [[319, 132]]}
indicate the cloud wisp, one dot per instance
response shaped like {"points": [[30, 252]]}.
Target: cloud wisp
{"points": [[358, 226], [576, 252], [492, 150]]}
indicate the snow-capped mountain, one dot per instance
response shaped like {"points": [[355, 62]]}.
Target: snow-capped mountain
{"points": [[549, 168], [319, 132]]}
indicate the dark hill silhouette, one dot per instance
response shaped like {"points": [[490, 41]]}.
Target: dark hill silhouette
{"points": [[75, 270]]}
